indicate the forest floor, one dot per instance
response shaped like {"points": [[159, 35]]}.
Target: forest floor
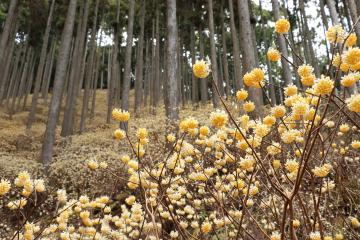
{"points": [[19, 150]]}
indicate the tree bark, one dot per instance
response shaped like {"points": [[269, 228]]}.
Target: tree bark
{"points": [[6, 33], [89, 70], [54, 109], [248, 53], [127, 68], [214, 67], [194, 80], [76, 73], [40, 68], [203, 82], [140, 63], [224, 54], [172, 60], [333, 13]]}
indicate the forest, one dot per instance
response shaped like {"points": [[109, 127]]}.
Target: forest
{"points": [[179, 119]]}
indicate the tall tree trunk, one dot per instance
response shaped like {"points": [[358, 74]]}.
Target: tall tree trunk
{"points": [[224, 53], [286, 73], [203, 82], [127, 68], [248, 53], [194, 80], [29, 81], [236, 49], [6, 33], [40, 69], [76, 72], [89, 71], [214, 67], [147, 73], [140, 63], [333, 13], [172, 60], [54, 109], [48, 72], [354, 16]]}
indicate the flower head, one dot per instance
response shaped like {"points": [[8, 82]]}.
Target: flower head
{"points": [[241, 95], [351, 40], [335, 34], [201, 69], [353, 103], [282, 26], [273, 55], [120, 115], [324, 86], [4, 187]]}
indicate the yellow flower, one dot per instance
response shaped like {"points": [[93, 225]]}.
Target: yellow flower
{"points": [[352, 58], [170, 137], [296, 223], [355, 144], [324, 86], [339, 236], [204, 130], [248, 106], [353, 103], [290, 90], [322, 171], [275, 236], [119, 134], [133, 164], [282, 26], [308, 80], [355, 222], [351, 40], [120, 115], [305, 70], [4, 187], [93, 165], [142, 133], [206, 227], [130, 200], [344, 128], [292, 165], [241, 95], [278, 111], [218, 119], [335, 34], [273, 55], [201, 69], [348, 80], [269, 120], [254, 78]]}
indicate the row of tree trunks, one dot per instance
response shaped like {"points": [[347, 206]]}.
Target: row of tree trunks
{"points": [[40, 68]]}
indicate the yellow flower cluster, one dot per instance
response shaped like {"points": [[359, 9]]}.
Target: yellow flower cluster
{"points": [[351, 40], [322, 171], [201, 69], [352, 58], [307, 77], [4, 187], [241, 95], [218, 119], [254, 78], [120, 115], [353, 103], [282, 26], [350, 79], [323, 86], [273, 55], [335, 34]]}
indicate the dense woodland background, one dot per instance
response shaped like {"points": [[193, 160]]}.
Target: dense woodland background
{"points": [[60, 54]]}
